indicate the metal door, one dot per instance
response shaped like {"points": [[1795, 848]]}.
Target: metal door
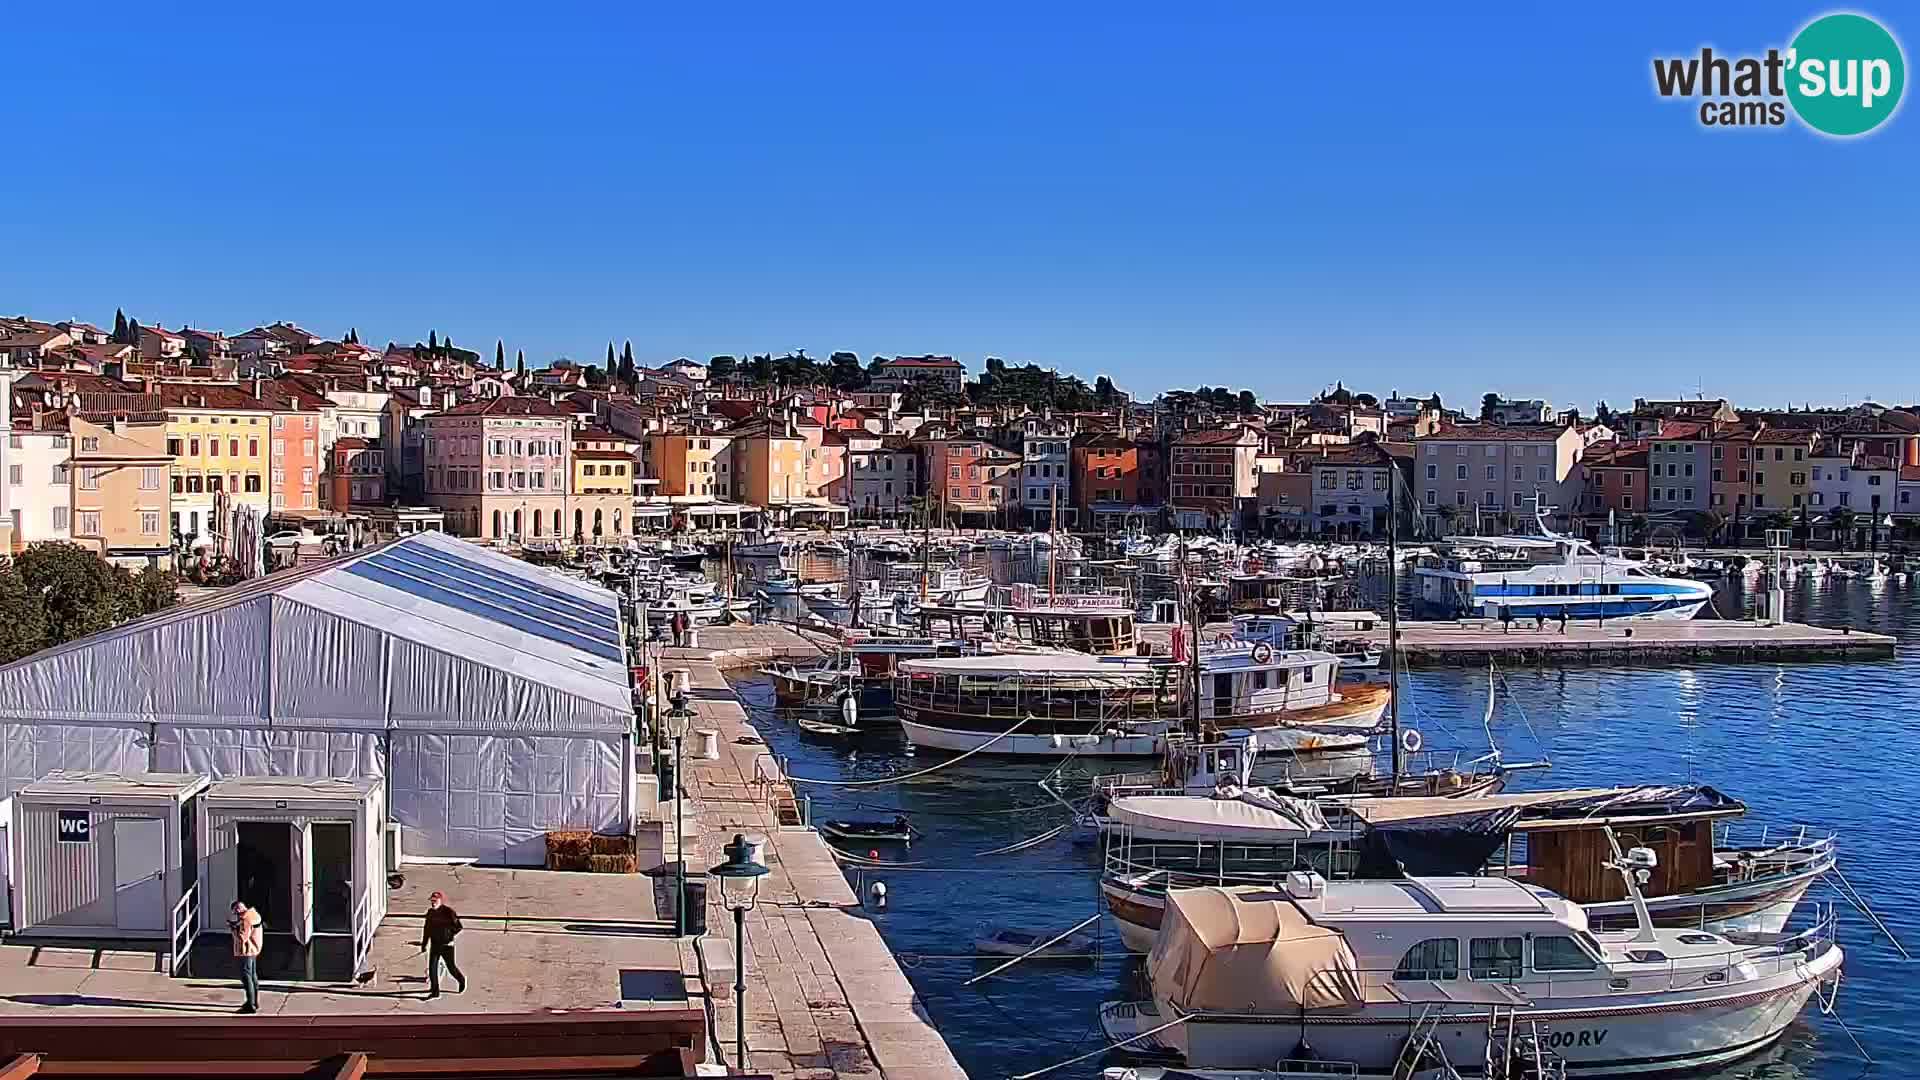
{"points": [[300, 870], [140, 873]]}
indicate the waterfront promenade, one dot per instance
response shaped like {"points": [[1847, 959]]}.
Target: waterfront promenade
{"points": [[825, 997], [1627, 643]]}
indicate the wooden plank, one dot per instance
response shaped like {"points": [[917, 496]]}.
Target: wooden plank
{"points": [[21, 1067], [354, 1067]]}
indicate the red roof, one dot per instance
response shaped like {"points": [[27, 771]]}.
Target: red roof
{"points": [[351, 442], [1499, 432], [206, 396], [1221, 437], [1682, 429], [509, 406], [1910, 474], [922, 362]]}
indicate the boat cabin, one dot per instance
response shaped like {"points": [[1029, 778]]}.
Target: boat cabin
{"points": [[1567, 852], [1243, 682]]}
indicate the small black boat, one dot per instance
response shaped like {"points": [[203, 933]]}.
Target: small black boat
{"points": [[870, 830]]}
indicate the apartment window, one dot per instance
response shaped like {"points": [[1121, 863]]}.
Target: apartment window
{"points": [[1873, 480], [16, 474], [1717, 477], [1817, 499], [1845, 473], [60, 473], [89, 523], [1626, 502], [60, 515], [306, 447], [1459, 472], [1846, 498], [173, 447], [1688, 492], [253, 447], [213, 447], [1626, 479], [1493, 472], [1460, 451], [1432, 497], [150, 522], [152, 477], [1759, 477], [233, 447], [1689, 471], [1516, 499], [1797, 479], [1780, 453], [1459, 498], [1433, 472], [306, 477], [1487, 499], [90, 479], [1799, 454], [1540, 472], [1759, 500]]}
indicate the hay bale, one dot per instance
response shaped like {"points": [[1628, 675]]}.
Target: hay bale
{"points": [[569, 842], [614, 864], [570, 862], [612, 845]]}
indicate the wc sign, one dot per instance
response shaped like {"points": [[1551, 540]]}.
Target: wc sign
{"points": [[75, 827]]}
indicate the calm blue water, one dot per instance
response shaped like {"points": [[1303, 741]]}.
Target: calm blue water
{"points": [[1828, 744]]}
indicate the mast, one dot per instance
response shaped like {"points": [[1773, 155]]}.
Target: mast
{"points": [[1053, 532], [1393, 617]]}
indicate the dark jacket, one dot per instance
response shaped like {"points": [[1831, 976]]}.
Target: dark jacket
{"points": [[442, 923]]}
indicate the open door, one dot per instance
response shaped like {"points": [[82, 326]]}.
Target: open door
{"points": [[300, 887]]}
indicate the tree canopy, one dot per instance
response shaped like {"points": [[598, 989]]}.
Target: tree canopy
{"points": [[54, 592]]}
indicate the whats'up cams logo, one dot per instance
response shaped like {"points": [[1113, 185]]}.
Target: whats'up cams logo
{"points": [[1842, 76]]}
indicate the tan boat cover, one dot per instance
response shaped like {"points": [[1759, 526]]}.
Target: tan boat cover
{"points": [[1382, 811], [1248, 948]]}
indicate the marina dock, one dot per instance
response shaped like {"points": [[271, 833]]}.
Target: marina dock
{"points": [[825, 996], [1477, 641]]}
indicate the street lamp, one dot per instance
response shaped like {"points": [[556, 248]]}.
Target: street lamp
{"points": [[740, 888], [674, 724]]}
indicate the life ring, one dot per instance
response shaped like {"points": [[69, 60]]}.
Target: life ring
{"points": [[1262, 652], [1410, 741]]}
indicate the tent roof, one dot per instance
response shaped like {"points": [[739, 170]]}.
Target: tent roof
{"points": [[427, 632]]}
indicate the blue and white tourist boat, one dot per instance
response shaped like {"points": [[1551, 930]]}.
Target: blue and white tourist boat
{"points": [[1548, 576]]}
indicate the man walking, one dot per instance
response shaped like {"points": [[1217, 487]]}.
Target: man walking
{"points": [[436, 937], [248, 935]]}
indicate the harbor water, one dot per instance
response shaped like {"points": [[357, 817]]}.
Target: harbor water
{"points": [[1828, 745]]}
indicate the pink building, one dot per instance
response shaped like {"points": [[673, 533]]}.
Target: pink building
{"points": [[498, 468]]}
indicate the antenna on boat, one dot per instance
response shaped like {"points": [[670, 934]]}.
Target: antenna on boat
{"points": [[1393, 618], [1635, 868]]}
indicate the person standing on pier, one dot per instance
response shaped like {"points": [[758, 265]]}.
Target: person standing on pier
{"points": [[436, 938], [248, 936], [679, 623]]}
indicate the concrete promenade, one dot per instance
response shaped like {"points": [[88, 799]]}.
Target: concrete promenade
{"points": [[1475, 641], [825, 997]]}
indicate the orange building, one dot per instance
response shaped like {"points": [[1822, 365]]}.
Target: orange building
{"points": [[293, 458]]}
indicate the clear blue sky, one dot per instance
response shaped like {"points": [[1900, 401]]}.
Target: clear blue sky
{"points": [[1168, 194]]}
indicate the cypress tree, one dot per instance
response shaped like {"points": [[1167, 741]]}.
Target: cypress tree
{"points": [[520, 364], [133, 333], [629, 373], [499, 355], [433, 341], [610, 364], [119, 327]]}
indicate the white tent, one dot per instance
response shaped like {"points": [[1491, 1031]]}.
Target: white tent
{"points": [[492, 694]]}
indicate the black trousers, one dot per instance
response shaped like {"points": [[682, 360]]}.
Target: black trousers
{"points": [[436, 954]]}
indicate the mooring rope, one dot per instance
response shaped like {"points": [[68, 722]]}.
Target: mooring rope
{"points": [[885, 780]]}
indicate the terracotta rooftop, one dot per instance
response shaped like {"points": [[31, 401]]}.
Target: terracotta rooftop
{"points": [[509, 406], [1498, 432]]}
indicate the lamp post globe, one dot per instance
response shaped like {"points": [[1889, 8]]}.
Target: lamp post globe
{"points": [[740, 889]]}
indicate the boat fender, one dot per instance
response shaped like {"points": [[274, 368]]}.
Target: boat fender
{"points": [[849, 708], [1410, 741], [879, 893], [1262, 652]]}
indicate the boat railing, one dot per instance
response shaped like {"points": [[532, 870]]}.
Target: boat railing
{"points": [[1748, 958], [1747, 836], [1193, 863]]}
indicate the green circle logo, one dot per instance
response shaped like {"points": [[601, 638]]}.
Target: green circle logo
{"points": [[1845, 74]]}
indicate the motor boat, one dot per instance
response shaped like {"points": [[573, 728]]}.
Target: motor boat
{"points": [[897, 830], [1468, 972]]}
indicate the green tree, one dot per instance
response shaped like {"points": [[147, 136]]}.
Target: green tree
{"points": [[433, 341], [499, 354], [353, 335], [611, 362], [722, 369], [520, 366], [629, 372], [23, 617], [78, 589], [155, 589], [119, 327], [844, 371], [1249, 405], [133, 332], [1489, 403]]}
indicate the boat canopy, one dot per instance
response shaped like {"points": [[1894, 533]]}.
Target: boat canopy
{"points": [[1271, 820], [1249, 948]]}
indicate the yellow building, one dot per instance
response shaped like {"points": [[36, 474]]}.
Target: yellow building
{"points": [[693, 463], [120, 491], [600, 494], [769, 463], [220, 439], [1764, 470]]}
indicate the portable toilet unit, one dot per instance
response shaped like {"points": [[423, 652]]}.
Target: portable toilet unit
{"points": [[105, 855], [307, 853]]}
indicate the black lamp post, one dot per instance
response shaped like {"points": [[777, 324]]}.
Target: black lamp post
{"points": [[740, 888], [674, 724]]}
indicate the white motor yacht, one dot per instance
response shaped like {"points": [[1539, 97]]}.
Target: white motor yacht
{"points": [[1466, 971]]}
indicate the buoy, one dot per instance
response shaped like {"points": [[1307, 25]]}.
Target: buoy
{"points": [[1410, 741], [879, 891]]}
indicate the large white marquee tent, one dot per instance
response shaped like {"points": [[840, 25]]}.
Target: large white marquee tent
{"points": [[492, 695]]}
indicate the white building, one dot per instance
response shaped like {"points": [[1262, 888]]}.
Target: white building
{"points": [[883, 476], [1047, 445], [39, 491], [489, 696], [1867, 484]]}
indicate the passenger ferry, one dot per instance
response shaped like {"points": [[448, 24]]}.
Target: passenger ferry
{"points": [[1466, 973], [1546, 577], [1054, 703]]}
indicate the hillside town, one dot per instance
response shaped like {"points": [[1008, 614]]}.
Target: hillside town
{"points": [[147, 444]]}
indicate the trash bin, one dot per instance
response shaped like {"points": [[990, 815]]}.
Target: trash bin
{"points": [[695, 901]]}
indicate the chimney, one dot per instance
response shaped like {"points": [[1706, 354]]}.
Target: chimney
{"points": [[256, 386], [426, 394]]}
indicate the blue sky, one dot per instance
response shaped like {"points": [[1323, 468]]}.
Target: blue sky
{"points": [[1171, 195]]}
